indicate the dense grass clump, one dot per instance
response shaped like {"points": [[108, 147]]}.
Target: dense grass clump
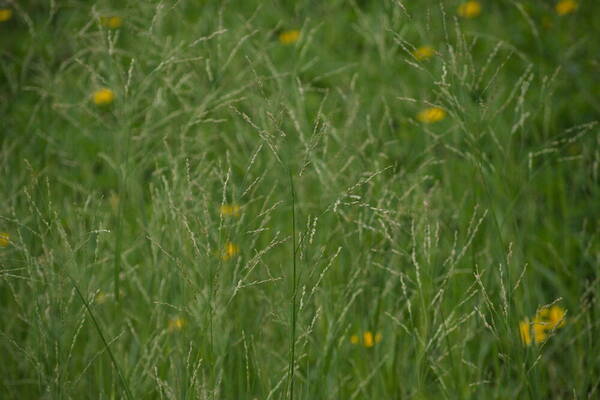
{"points": [[340, 199]]}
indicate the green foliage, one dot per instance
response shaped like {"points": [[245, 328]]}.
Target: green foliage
{"points": [[440, 237]]}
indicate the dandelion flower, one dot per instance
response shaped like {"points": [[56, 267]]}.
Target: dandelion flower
{"points": [[289, 37], [565, 7], [546, 320], [5, 14], [470, 9], [423, 53], [103, 97], [230, 251], [230, 210], [539, 331], [111, 22], [354, 339], [4, 239], [176, 324], [431, 115]]}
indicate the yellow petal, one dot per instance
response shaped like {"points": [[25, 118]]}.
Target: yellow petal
{"points": [[111, 22], [176, 324], [524, 331], [230, 210], [557, 316], [4, 239], [431, 115], [540, 329], [423, 53], [470, 9], [368, 340], [229, 251], [565, 7], [103, 97], [289, 37], [5, 14]]}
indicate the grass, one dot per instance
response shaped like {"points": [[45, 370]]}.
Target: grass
{"points": [[374, 255]]}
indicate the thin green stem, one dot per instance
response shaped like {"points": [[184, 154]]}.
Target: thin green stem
{"points": [[122, 378], [293, 305]]}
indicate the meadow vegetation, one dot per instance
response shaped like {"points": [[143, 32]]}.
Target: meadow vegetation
{"points": [[341, 199]]}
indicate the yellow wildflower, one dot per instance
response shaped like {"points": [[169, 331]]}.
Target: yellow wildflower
{"points": [[546, 320], [4, 239], [525, 332], [470, 9], [230, 251], [565, 7], [289, 37], [230, 210], [368, 339], [5, 14], [431, 115], [176, 324], [111, 22], [103, 97], [423, 53]]}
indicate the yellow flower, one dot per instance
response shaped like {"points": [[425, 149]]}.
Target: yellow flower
{"points": [[470, 9], [423, 53], [289, 37], [4, 239], [5, 14], [111, 22], [565, 7], [176, 324], [539, 331], [546, 320], [230, 251], [368, 339], [103, 97], [230, 210], [431, 115], [525, 332]]}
